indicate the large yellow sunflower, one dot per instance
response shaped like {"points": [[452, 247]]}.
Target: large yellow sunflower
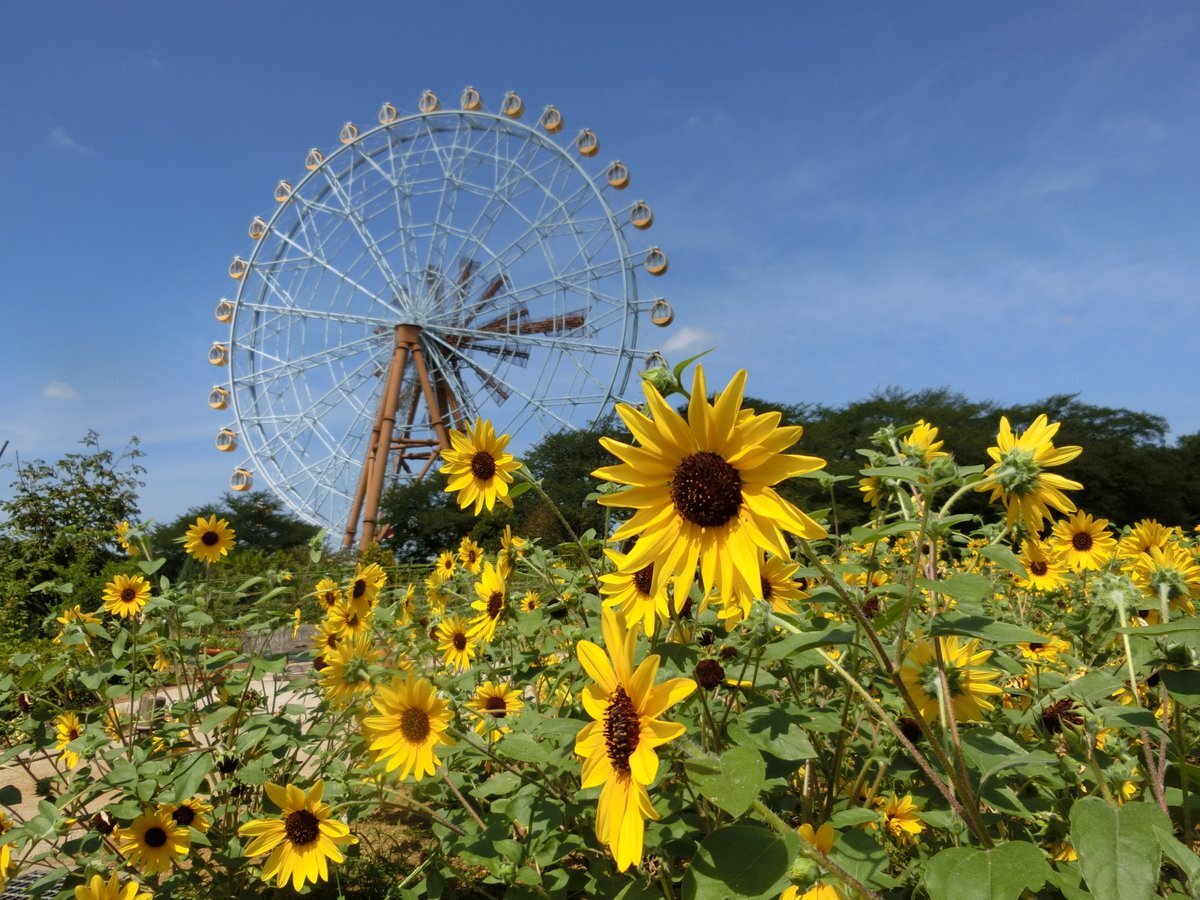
{"points": [[1084, 542], [347, 670], [490, 589], [476, 467], [350, 618], [154, 842], [1171, 571], [67, 729], [125, 595], [412, 721], [702, 489], [969, 681], [209, 539], [302, 840], [1018, 476], [96, 888], [455, 642], [633, 594], [618, 747], [493, 703], [366, 584]]}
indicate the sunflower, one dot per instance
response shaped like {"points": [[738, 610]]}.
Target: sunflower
{"points": [[67, 729], [1046, 568], [209, 539], [618, 747], [900, 818], [123, 529], [1018, 476], [493, 703], [531, 601], [969, 681], [347, 670], [350, 618], [302, 839], [412, 721], [872, 490], [702, 489], [125, 595], [822, 840], [366, 584], [191, 813], [633, 594], [325, 639], [920, 446], [455, 642], [490, 591], [476, 467], [327, 593], [777, 587], [407, 607], [446, 565], [1171, 571], [1142, 536], [7, 866], [1084, 542], [436, 594], [74, 615], [1043, 652], [154, 842], [99, 889], [510, 551], [470, 554]]}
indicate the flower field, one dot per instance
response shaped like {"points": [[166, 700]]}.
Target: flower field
{"points": [[720, 696]]}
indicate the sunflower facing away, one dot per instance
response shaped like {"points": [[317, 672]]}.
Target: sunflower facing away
{"points": [[455, 642], [476, 467], [633, 594], [412, 720], [1084, 542], [701, 489], [493, 703], [96, 888], [1143, 535], [154, 842], [776, 586], [971, 683], [490, 590], [123, 529], [125, 595], [208, 540], [302, 840], [347, 670], [74, 615], [1018, 476], [618, 747], [1171, 571], [920, 446]]}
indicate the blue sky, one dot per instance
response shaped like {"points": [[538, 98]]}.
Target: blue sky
{"points": [[1001, 198]]}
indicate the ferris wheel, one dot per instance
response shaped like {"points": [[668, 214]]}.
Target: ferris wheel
{"points": [[436, 267]]}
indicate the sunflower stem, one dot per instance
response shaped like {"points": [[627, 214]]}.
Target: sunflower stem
{"points": [[461, 799], [541, 492]]}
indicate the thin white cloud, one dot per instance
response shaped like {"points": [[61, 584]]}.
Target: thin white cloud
{"points": [[60, 140], [59, 390], [687, 338]]}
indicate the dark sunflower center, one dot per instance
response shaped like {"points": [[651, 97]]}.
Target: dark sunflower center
{"points": [[495, 604], [360, 587], [414, 725], [643, 580], [706, 490], [622, 729], [301, 827], [767, 589], [459, 640], [329, 598], [483, 465], [1035, 646], [1039, 567], [496, 706], [209, 538], [1082, 541], [155, 837], [128, 594], [184, 815], [72, 734], [470, 557], [352, 620]]}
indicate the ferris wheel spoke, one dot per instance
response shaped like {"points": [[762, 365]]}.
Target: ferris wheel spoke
{"points": [[371, 245], [320, 315], [467, 335], [324, 264], [302, 363]]}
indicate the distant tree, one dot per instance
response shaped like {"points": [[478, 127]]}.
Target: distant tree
{"points": [[58, 526], [564, 462], [424, 519]]}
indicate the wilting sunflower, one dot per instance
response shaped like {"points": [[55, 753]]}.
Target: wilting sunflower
{"points": [[618, 747], [154, 842], [209, 539], [445, 565], [702, 489], [633, 594], [302, 840], [470, 554], [969, 681], [1084, 542], [125, 595], [1172, 571], [490, 590], [123, 529], [67, 729], [96, 888], [1018, 476], [347, 670], [191, 813], [493, 703], [412, 720], [350, 618], [1047, 570], [366, 584], [920, 446], [900, 818], [457, 646], [327, 593], [1143, 535], [476, 467]]}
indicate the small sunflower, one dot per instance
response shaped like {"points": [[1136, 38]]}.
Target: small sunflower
{"points": [[436, 594], [1142, 536], [191, 813], [900, 818], [920, 446], [971, 683], [822, 839], [327, 593], [123, 529], [366, 584], [350, 618], [872, 490], [1047, 570], [457, 646], [618, 747], [302, 840], [633, 594], [67, 729], [412, 720], [493, 703], [209, 539], [96, 888], [490, 590], [776, 586], [347, 670], [530, 601], [510, 551], [154, 842], [476, 467], [1084, 542], [407, 607], [1044, 652], [470, 554], [125, 595], [1018, 476], [1171, 571], [325, 639], [71, 616]]}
